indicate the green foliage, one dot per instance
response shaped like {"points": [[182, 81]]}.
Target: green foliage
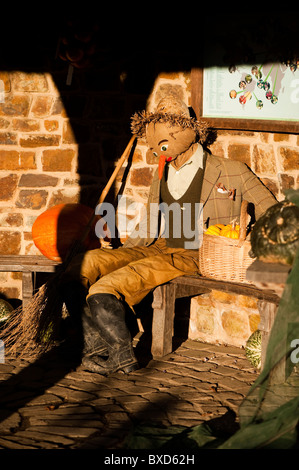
{"points": [[253, 349], [5, 310], [275, 236]]}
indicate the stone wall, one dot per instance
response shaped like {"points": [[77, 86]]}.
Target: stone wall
{"points": [[60, 144]]}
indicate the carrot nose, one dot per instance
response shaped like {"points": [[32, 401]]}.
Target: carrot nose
{"points": [[163, 159]]}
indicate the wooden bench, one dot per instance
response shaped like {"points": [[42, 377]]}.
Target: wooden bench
{"points": [[27, 265], [164, 298]]}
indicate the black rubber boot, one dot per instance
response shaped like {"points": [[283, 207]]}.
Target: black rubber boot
{"points": [[108, 314], [74, 297], [92, 341]]}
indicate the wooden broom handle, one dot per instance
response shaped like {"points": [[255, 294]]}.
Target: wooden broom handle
{"points": [[120, 163], [104, 193]]}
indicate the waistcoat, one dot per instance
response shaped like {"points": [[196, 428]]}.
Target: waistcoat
{"points": [[181, 215]]}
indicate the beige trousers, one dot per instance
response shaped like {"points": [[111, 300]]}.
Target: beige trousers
{"points": [[131, 273]]}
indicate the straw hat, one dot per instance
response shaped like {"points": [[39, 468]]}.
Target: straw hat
{"points": [[172, 110]]}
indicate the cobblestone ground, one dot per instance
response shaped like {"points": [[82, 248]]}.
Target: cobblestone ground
{"points": [[53, 404]]}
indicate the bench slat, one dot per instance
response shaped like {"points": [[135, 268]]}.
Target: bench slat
{"points": [[25, 263], [224, 286]]}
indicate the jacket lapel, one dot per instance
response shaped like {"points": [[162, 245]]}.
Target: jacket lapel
{"points": [[211, 175]]}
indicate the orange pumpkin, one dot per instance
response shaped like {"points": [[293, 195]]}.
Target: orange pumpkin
{"points": [[214, 229], [56, 229], [231, 231]]}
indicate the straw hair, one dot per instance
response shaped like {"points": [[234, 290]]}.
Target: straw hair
{"points": [[173, 111]]}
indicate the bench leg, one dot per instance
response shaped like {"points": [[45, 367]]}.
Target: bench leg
{"points": [[163, 319], [267, 313], [27, 287]]}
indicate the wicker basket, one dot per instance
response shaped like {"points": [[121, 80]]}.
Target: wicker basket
{"points": [[226, 259]]}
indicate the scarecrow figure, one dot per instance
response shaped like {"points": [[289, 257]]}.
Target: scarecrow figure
{"points": [[188, 176]]}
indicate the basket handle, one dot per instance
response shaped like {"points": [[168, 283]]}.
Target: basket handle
{"points": [[243, 222]]}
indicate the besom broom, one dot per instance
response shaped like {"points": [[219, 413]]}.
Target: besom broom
{"points": [[33, 329]]}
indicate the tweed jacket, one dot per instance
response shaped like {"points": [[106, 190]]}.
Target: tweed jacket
{"points": [[217, 206]]}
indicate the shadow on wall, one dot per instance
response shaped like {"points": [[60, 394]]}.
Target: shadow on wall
{"points": [[102, 96]]}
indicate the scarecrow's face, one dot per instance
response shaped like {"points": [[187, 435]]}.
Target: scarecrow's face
{"points": [[169, 141]]}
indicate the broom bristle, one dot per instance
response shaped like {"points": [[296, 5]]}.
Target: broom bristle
{"points": [[32, 330]]}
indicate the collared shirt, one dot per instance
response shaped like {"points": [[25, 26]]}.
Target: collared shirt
{"points": [[179, 180]]}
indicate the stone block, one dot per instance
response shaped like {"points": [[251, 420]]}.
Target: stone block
{"points": [[141, 176], [51, 125], [32, 199], [137, 156], [264, 160], [8, 138], [16, 276], [286, 181], [264, 136], [8, 186], [41, 106], [204, 299], [15, 105], [14, 160], [10, 242], [217, 149], [10, 219], [240, 152], [25, 125], [65, 196], [4, 123], [35, 82], [289, 158], [247, 302], [40, 140], [235, 324], [281, 137], [166, 89], [32, 180], [11, 292], [202, 320], [223, 297], [58, 160]]}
